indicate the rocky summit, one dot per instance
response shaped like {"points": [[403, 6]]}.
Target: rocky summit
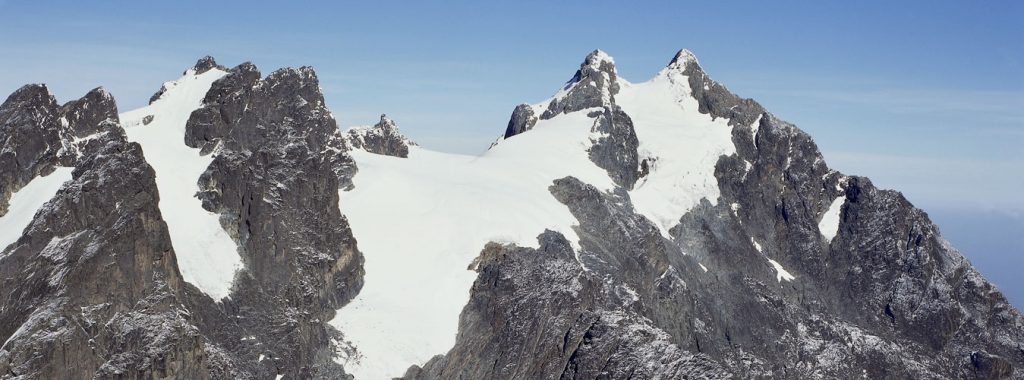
{"points": [[666, 229]]}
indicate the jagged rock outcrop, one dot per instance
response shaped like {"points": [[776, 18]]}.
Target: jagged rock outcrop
{"points": [[536, 314], [593, 87], [38, 134], [91, 288], [279, 156], [523, 119], [94, 280], [382, 138], [749, 282], [793, 270]]}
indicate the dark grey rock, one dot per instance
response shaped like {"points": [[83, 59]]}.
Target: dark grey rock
{"points": [[83, 115], [885, 298], [30, 132], [615, 150], [382, 138], [536, 314], [594, 85], [523, 119], [205, 64], [714, 98], [280, 161], [90, 289], [886, 283], [38, 134]]}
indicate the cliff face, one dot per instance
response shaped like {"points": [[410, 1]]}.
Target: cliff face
{"points": [[658, 230], [91, 288], [794, 271], [279, 160]]}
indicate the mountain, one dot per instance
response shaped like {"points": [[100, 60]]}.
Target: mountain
{"points": [[657, 230]]}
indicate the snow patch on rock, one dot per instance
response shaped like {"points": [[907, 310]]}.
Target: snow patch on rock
{"points": [[26, 201], [829, 224], [780, 272]]}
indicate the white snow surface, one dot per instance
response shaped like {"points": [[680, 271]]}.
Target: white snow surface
{"points": [[829, 224], [207, 256], [421, 221], [780, 272], [684, 143], [25, 202]]}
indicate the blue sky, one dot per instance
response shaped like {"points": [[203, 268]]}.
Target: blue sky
{"points": [[926, 97]]}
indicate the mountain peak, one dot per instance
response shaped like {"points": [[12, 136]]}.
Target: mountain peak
{"points": [[598, 59], [684, 56], [596, 63], [30, 91], [205, 64], [386, 122], [382, 138], [594, 85], [683, 59]]}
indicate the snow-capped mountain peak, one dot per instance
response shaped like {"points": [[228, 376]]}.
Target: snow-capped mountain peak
{"points": [[654, 230], [683, 58]]}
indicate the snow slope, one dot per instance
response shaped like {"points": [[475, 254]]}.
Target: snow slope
{"points": [[25, 202], [421, 221], [207, 256], [684, 143]]}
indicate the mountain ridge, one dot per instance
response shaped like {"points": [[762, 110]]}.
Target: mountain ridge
{"points": [[655, 230]]}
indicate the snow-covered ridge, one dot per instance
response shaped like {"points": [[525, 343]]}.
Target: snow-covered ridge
{"points": [[26, 201], [207, 256], [421, 221]]}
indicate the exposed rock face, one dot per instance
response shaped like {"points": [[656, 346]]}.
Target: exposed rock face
{"points": [[887, 297], [28, 120], [615, 149], [94, 280], [205, 64], [39, 135], [523, 119], [593, 87], [536, 314], [90, 289], [382, 138], [748, 285], [280, 162]]}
